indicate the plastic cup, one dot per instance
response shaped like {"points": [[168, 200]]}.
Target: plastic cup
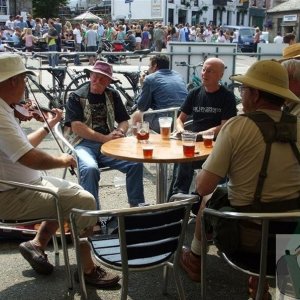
{"points": [[147, 150], [142, 131], [133, 130], [208, 138], [188, 143], [165, 124]]}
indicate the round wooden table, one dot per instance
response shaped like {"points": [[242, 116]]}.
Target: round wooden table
{"points": [[165, 151]]}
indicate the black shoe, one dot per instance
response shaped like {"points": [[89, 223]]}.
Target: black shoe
{"points": [[36, 258], [99, 278]]}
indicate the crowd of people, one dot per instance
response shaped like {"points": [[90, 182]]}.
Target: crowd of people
{"points": [[95, 114], [88, 35]]}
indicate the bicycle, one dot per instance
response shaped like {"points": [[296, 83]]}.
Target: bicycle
{"points": [[129, 100], [57, 93], [195, 81], [235, 89], [132, 78]]}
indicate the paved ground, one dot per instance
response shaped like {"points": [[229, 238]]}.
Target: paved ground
{"points": [[19, 281]]}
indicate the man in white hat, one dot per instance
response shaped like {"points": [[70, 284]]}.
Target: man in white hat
{"points": [[92, 112], [239, 153], [21, 161]]}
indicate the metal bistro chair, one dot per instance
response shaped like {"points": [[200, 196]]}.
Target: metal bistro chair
{"points": [[70, 149], [56, 204], [168, 112], [148, 237], [262, 264]]}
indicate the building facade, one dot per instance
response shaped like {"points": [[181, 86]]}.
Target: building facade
{"points": [[14, 7], [284, 18], [217, 12]]}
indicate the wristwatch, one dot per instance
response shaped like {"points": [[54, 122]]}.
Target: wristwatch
{"points": [[45, 127]]}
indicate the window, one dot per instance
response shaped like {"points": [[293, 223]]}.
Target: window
{"points": [[3, 7], [196, 3]]}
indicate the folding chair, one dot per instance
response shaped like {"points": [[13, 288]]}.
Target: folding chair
{"points": [[262, 264], [148, 237], [56, 204]]}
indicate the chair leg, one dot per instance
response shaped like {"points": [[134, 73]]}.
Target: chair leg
{"points": [[179, 285], [66, 257], [124, 291], [203, 260], [165, 279], [55, 244]]}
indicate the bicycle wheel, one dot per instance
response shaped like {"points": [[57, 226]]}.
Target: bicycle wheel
{"points": [[234, 87], [74, 85]]}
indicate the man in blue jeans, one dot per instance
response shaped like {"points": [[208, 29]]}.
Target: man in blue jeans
{"points": [[92, 112]]}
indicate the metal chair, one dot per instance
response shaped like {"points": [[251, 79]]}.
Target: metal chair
{"points": [[148, 237], [262, 264], [169, 112], [13, 223], [69, 149]]}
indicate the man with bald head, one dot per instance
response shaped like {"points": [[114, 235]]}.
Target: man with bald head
{"points": [[209, 106]]}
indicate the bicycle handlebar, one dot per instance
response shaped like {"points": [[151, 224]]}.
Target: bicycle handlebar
{"points": [[185, 64]]}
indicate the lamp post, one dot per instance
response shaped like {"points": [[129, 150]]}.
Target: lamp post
{"points": [[129, 13]]}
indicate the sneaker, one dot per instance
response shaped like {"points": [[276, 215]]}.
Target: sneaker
{"points": [[99, 278], [191, 264], [252, 288], [36, 258]]}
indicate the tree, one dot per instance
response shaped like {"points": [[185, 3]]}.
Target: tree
{"points": [[47, 8]]}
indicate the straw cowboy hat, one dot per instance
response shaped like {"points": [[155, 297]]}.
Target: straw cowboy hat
{"points": [[292, 51], [268, 76], [12, 65], [103, 68]]}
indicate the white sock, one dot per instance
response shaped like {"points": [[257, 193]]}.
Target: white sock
{"points": [[196, 246]]}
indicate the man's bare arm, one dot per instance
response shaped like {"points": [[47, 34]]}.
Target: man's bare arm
{"points": [[40, 160], [206, 182]]}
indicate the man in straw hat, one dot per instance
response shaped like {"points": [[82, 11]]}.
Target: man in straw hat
{"points": [[21, 161], [239, 153], [92, 112]]}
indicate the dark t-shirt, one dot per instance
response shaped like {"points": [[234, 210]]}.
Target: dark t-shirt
{"points": [[74, 111], [209, 109]]}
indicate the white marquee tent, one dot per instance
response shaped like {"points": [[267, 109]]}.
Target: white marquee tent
{"points": [[87, 16]]}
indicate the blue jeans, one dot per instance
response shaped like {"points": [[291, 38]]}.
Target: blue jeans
{"points": [[53, 58], [90, 159], [183, 174]]}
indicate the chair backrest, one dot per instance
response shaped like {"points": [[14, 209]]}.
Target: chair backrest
{"points": [[260, 264], [169, 112], [147, 235], [68, 148], [153, 233]]}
